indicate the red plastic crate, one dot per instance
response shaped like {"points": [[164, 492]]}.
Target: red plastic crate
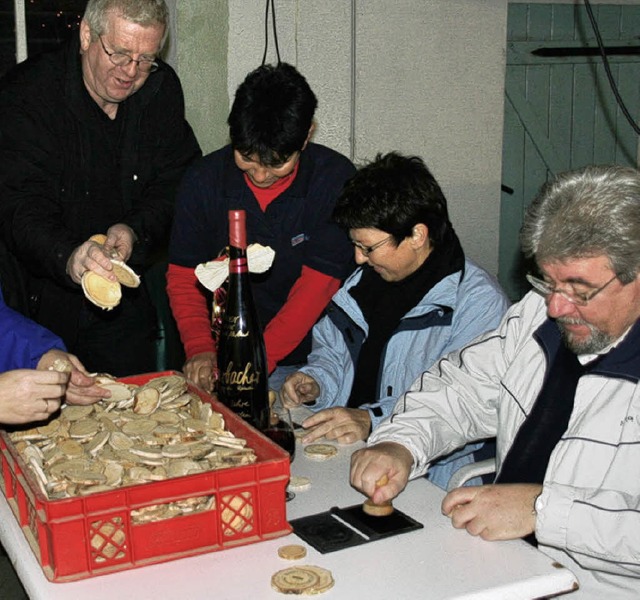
{"points": [[81, 537]]}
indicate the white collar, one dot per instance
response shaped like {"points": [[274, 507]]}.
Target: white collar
{"points": [[587, 358]]}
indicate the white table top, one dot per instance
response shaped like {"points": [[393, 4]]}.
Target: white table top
{"points": [[437, 562]]}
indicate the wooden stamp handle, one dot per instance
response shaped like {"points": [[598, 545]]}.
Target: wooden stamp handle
{"points": [[382, 481]]}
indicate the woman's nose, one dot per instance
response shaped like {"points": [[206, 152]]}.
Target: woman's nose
{"points": [[360, 256], [259, 174]]}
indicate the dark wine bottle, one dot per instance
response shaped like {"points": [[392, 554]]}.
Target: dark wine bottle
{"points": [[242, 362]]}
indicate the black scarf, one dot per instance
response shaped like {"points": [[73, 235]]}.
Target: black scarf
{"points": [[528, 457], [548, 419], [383, 304]]}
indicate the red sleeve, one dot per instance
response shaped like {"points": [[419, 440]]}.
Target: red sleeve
{"points": [[190, 310], [307, 299]]}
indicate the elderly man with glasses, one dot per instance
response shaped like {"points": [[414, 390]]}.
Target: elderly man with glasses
{"points": [[93, 139], [414, 298], [557, 382]]}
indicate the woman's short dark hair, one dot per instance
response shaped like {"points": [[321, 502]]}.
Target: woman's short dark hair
{"points": [[394, 193], [272, 113]]}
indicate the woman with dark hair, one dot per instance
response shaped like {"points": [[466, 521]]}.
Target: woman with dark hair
{"points": [[414, 298], [288, 187]]}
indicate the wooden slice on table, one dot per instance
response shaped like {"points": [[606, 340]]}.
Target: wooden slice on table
{"points": [[298, 483], [320, 451], [292, 552], [307, 580]]}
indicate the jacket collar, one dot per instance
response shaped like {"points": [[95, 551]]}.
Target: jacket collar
{"points": [[443, 296], [621, 362]]}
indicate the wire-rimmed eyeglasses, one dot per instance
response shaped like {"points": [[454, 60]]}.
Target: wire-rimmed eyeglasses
{"points": [[120, 59], [570, 294], [366, 250]]}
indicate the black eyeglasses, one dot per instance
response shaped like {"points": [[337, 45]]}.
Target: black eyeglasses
{"points": [[366, 250], [571, 295], [120, 59]]}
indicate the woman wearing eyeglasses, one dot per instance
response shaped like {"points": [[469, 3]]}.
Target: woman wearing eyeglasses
{"points": [[414, 298]]}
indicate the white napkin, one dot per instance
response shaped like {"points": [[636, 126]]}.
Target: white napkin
{"points": [[214, 273]]}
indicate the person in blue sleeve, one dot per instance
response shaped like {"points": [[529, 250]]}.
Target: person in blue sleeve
{"points": [[414, 298], [30, 389]]}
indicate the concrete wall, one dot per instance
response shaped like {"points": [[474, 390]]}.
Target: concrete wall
{"points": [[423, 77], [430, 79], [200, 52]]}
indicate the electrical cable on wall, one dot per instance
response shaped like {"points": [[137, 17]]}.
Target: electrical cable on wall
{"points": [[607, 68], [266, 31]]}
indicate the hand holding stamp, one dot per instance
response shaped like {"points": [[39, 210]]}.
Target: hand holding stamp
{"points": [[378, 510]]}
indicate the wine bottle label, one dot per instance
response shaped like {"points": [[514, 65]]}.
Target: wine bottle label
{"points": [[243, 379], [231, 328]]}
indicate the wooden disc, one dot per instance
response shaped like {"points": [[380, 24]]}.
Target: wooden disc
{"points": [[377, 510], [292, 552], [125, 274], [102, 292], [99, 238], [320, 451]]}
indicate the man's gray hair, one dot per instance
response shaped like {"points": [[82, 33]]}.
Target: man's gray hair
{"points": [[142, 12], [588, 212]]}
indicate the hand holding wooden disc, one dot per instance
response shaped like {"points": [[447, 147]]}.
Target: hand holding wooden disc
{"points": [[103, 292]]}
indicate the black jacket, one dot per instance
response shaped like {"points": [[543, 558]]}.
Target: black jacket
{"points": [[52, 156]]}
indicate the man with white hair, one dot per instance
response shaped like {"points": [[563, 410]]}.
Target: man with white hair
{"points": [[93, 139]]}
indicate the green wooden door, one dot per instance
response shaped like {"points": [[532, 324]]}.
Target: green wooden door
{"points": [[560, 111]]}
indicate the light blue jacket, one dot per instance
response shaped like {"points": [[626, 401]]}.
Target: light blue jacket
{"points": [[455, 311], [22, 341]]}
